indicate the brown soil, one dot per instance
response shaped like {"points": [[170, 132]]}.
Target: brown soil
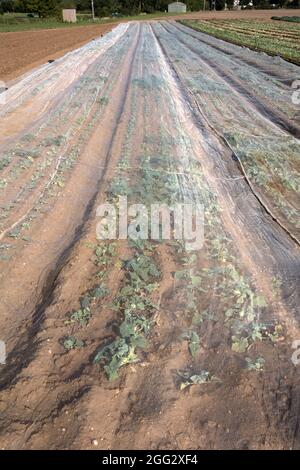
{"points": [[21, 51]]}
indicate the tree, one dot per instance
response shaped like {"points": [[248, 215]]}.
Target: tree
{"points": [[6, 6], [107, 7], [83, 5], [69, 4], [43, 8], [294, 4], [220, 4], [194, 5]]}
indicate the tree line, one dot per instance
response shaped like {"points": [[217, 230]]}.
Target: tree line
{"points": [[46, 8]]}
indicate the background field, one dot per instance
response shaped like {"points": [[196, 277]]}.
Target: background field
{"points": [[274, 37], [12, 22], [21, 51]]}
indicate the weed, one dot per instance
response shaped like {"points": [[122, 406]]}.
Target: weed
{"points": [[5, 246], [104, 252], [276, 285], [54, 141], [193, 341], [239, 345], [3, 183], [104, 100], [15, 233], [203, 377], [135, 305], [72, 343], [81, 316], [119, 187], [4, 162], [255, 364], [116, 355]]}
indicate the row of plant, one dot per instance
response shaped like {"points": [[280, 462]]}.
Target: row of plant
{"points": [[137, 301], [290, 19], [133, 304], [52, 151], [239, 306], [70, 113], [264, 29], [238, 302], [269, 156], [255, 79], [139, 178], [135, 307], [223, 280], [165, 168], [258, 24], [91, 300]]}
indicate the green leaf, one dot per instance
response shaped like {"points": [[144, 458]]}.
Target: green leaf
{"points": [[194, 343], [239, 345], [72, 343], [196, 281], [100, 292], [260, 301], [139, 341], [126, 329], [255, 364], [81, 316], [197, 379], [85, 301], [197, 319], [193, 340]]}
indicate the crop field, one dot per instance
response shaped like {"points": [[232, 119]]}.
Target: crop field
{"points": [[274, 37], [140, 342], [15, 22]]}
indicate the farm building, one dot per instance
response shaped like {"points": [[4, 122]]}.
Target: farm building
{"points": [[69, 15], [177, 7]]}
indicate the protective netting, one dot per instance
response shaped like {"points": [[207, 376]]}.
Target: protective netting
{"points": [[269, 154], [116, 119]]}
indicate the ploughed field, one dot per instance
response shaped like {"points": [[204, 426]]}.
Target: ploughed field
{"points": [[23, 50], [120, 344]]}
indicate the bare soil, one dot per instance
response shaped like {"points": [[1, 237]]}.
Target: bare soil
{"points": [[21, 51]]}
